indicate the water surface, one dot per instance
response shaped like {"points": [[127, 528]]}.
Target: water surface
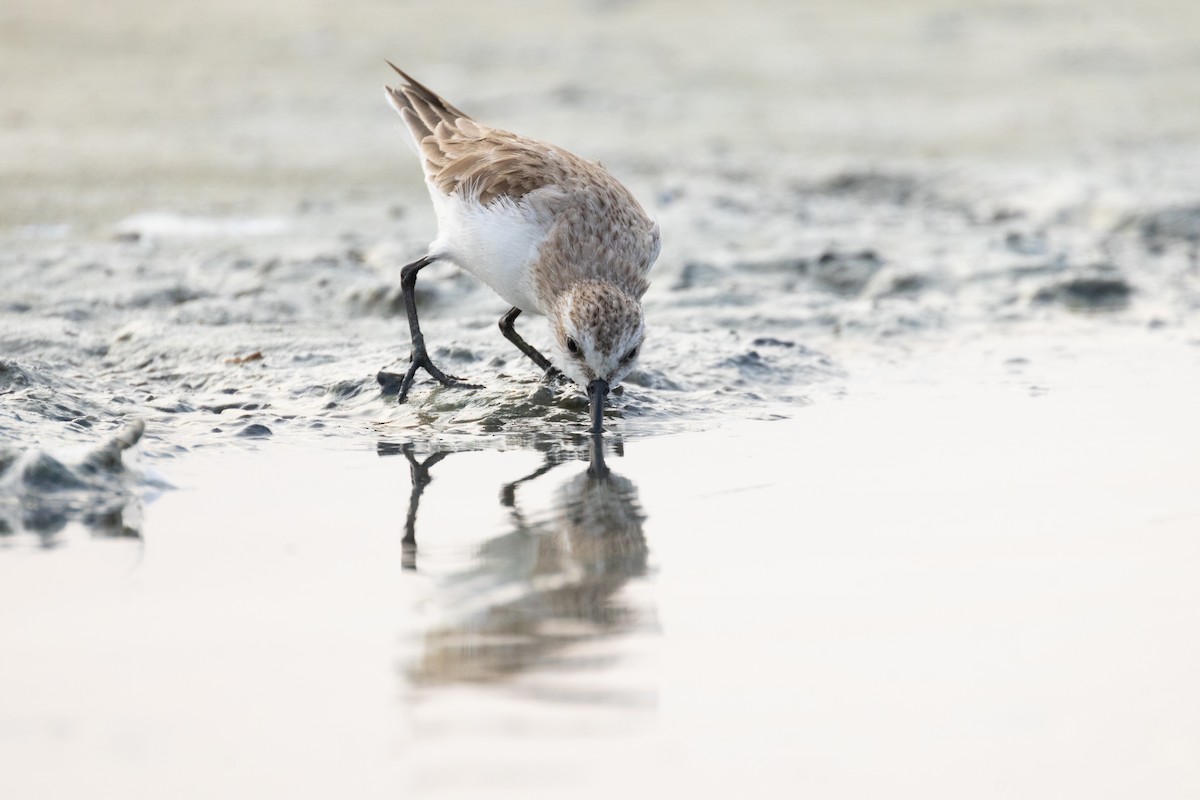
{"points": [[928, 594]]}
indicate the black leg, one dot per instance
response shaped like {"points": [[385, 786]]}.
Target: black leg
{"points": [[420, 357], [510, 333]]}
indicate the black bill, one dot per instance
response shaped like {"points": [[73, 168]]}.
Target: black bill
{"points": [[598, 393]]}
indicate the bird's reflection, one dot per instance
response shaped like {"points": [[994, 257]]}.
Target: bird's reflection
{"points": [[553, 578]]}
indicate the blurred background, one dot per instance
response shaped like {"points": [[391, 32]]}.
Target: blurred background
{"points": [[225, 106]]}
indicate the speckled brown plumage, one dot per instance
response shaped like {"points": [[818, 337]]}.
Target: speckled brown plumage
{"points": [[600, 232]]}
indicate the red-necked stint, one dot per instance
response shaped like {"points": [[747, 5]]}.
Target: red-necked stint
{"points": [[548, 231]]}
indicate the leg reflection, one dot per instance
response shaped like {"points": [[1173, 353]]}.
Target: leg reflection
{"points": [[554, 457], [419, 470]]}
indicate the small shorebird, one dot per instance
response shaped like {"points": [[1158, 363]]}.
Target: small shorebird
{"points": [[550, 232]]}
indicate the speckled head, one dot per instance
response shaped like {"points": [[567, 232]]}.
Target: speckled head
{"points": [[598, 330]]}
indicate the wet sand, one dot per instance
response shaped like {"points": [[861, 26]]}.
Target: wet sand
{"points": [[903, 496]]}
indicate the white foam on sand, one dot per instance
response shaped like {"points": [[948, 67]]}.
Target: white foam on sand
{"points": [[164, 224]]}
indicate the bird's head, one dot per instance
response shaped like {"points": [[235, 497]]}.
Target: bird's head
{"points": [[598, 330]]}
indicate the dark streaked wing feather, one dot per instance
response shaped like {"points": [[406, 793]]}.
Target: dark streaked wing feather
{"points": [[427, 97], [460, 154], [599, 228]]}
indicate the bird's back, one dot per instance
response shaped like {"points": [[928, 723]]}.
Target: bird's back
{"points": [[572, 213]]}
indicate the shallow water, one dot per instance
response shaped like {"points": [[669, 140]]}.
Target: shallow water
{"points": [[928, 593]]}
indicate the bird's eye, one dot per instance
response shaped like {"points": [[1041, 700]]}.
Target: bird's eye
{"points": [[572, 345], [631, 355]]}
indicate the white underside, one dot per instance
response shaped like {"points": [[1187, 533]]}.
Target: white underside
{"points": [[497, 244]]}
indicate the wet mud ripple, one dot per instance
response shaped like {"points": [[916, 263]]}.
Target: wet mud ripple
{"points": [[237, 341], [41, 492]]}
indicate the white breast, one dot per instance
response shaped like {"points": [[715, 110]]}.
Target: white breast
{"points": [[497, 243]]}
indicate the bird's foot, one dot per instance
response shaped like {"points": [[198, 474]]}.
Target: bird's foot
{"points": [[394, 383]]}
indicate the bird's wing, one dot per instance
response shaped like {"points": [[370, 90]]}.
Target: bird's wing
{"points": [[458, 153]]}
